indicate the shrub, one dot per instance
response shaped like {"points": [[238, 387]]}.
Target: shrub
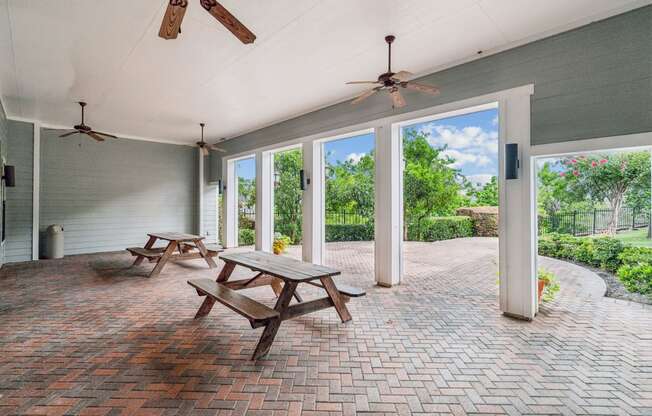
{"points": [[637, 278], [349, 232], [247, 237], [635, 255], [485, 220], [441, 228], [606, 251], [632, 265], [636, 269]]}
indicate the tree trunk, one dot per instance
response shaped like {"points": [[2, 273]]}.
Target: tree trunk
{"points": [[616, 205]]}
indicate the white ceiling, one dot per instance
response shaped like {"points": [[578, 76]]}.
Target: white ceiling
{"points": [[56, 52]]}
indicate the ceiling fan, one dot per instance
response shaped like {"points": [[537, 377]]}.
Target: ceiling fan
{"points": [[391, 81], [87, 130], [205, 147], [171, 25]]}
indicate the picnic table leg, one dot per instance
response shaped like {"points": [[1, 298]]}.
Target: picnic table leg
{"points": [[226, 271], [335, 296], [148, 245], [205, 307], [277, 287], [164, 258], [267, 338], [204, 253]]}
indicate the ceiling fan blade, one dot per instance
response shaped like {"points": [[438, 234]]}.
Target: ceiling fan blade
{"points": [[94, 136], [402, 75], [397, 98], [361, 82], [421, 87], [172, 20], [229, 21], [217, 149], [70, 133], [104, 134], [364, 96]]}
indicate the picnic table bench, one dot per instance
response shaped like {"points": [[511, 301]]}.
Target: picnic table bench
{"points": [[283, 274], [179, 247]]}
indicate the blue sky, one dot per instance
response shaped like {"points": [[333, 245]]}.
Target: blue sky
{"points": [[472, 140]]}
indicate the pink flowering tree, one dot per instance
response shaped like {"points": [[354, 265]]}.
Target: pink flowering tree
{"points": [[607, 178]]}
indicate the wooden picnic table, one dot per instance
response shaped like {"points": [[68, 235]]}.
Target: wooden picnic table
{"points": [[283, 274], [180, 246]]}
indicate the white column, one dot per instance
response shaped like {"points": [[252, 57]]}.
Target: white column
{"points": [[200, 191], [264, 200], [230, 204], [388, 253], [36, 196], [313, 203], [517, 214]]}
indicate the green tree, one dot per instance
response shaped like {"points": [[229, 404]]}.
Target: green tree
{"points": [[288, 194], [246, 193], [487, 195], [350, 186], [608, 178], [431, 186]]}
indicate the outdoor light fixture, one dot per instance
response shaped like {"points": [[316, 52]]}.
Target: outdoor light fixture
{"points": [[9, 176], [303, 181], [511, 161]]}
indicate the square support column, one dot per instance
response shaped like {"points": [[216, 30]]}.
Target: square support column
{"points": [[388, 253], [264, 200], [230, 205], [200, 193], [313, 203], [517, 214]]}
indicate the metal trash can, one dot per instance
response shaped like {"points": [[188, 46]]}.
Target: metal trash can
{"points": [[54, 246]]}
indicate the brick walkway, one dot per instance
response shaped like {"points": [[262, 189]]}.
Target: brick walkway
{"points": [[89, 335]]}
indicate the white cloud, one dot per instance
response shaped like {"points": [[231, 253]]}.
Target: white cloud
{"points": [[480, 179], [462, 158], [494, 121], [472, 138], [355, 157]]}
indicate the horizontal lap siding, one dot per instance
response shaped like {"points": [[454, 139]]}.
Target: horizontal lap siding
{"points": [[18, 246], [109, 195], [594, 81]]}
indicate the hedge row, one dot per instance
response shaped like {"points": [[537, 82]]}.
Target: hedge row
{"points": [[632, 265], [440, 228], [349, 232]]}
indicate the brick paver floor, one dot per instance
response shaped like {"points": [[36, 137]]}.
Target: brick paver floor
{"points": [[89, 335]]}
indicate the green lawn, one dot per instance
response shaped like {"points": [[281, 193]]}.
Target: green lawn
{"points": [[635, 238]]}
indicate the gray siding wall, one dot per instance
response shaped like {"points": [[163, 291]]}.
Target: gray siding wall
{"points": [[594, 81], [109, 195], [18, 246], [4, 138]]}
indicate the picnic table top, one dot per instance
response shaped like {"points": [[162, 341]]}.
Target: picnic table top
{"points": [[284, 268], [172, 236]]}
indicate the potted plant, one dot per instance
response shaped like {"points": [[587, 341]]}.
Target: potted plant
{"points": [[280, 243], [548, 286]]}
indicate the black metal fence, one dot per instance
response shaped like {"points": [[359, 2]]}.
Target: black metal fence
{"points": [[332, 217], [591, 222]]}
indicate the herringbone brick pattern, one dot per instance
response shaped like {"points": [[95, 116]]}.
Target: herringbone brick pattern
{"points": [[88, 335]]}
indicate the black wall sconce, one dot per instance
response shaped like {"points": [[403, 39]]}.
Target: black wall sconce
{"points": [[9, 176], [303, 181], [511, 161]]}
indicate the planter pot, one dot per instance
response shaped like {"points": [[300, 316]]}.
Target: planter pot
{"points": [[541, 286]]}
